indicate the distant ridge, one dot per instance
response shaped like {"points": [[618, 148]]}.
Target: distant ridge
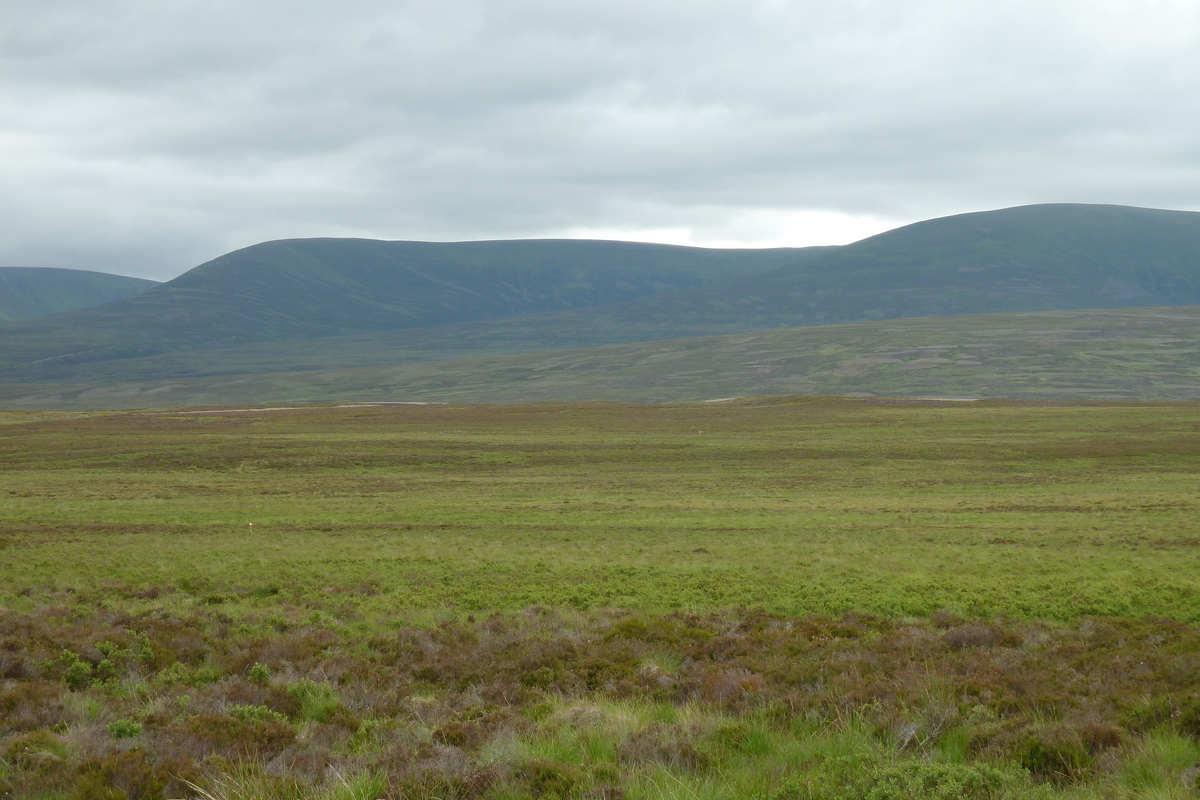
{"points": [[28, 292], [306, 288], [319, 304], [1028, 258]]}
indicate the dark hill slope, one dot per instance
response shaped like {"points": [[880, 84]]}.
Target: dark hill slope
{"points": [[28, 292], [246, 310], [305, 288], [1030, 258]]}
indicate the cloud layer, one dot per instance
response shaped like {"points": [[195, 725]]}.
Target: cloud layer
{"points": [[143, 136]]}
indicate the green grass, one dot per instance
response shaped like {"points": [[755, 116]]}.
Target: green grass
{"points": [[776, 599], [795, 505]]}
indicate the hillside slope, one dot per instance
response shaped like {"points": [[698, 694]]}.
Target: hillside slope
{"points": [[1128, 354], [305, 288], [320, 304], [1029, 258], [28, 292]]}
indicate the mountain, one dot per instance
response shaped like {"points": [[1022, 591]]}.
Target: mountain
{"points": [[307, 288], [1126, 354], [28, 292]]}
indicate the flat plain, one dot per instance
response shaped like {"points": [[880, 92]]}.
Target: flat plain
{"points": [[777, 598]]}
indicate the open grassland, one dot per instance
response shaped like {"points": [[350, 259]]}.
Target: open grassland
{"points": [[792, 598], [1124, 354]]}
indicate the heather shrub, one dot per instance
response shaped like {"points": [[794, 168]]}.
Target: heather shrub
{"points": [[672, 746], [551, 779], [1187, 717], [1056, 754], [205, 735], [120, 775], [30, 704], [455, 734], [965, 636]]}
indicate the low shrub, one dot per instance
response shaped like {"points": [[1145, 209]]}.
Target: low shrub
{"points": [[668, 745], [76, 672], [1056, 754], [260, 674], [246, 713], [205, 735], [852, 779], [120, 775], [125, 729], [545, 778]]}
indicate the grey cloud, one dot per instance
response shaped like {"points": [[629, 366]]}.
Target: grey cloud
{"points": [[143, 136]]}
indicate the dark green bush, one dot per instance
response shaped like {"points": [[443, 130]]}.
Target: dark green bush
{"points": [[248, 713], [125, 729], [260, 674], [76, 672], [545, 778]]}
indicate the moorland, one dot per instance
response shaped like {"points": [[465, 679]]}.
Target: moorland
{"points": [[774, 598], [1126, 354]]}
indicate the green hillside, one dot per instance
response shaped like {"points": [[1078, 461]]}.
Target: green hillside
{"points": [[28, 292], [306, 288], [317, 304], [1130, 354], [1030, 258], [331, 303]]}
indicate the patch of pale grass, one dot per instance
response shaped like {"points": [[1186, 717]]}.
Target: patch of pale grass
{"points": [[506, 749], [249, 782], [1156, 767], [659, 783]]}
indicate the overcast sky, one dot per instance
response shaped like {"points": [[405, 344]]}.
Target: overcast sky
{"points": [[146, 136]]}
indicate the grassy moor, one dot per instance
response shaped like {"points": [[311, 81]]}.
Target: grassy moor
{"points": [[778, 599], [1126, 354]]}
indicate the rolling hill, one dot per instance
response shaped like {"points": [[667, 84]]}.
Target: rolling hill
{"points": [[1029, 258], [1127, 354], [332, 304], [28, 292], [308, 288]]}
